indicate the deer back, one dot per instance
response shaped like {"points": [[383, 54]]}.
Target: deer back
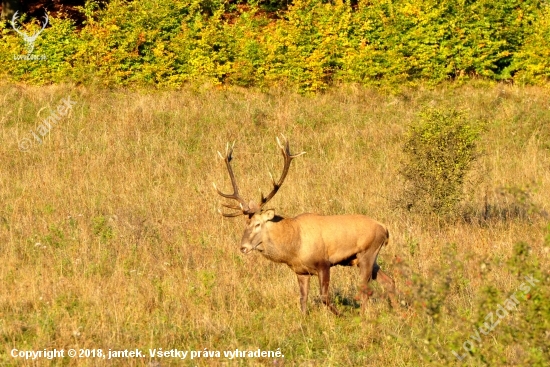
{"points": [[338, 237]]}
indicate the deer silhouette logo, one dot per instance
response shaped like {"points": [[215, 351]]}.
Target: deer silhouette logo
{"points": [[29, 40]]}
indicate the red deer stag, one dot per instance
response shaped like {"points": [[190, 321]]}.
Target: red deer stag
{"points": [[310, 243]]}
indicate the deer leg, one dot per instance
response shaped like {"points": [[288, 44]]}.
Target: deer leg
{"points": [[324, 280], [387, 282], [366, 265], [303, 282]]}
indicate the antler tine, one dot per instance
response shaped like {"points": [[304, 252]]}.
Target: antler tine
{"points": [[230, 215], [234, 206], [288, 157], [229, 150], [243, 205], [286, 147], [46, 20]]}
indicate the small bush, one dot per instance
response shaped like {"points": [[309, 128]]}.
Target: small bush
{"points": [[439, 149], [435, 300]]}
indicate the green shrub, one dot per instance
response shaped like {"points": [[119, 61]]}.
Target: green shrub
{"points": [[309, 45], [440, 149], [533, 60]]}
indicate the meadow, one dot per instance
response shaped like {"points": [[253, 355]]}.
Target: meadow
{"points": [[110, 236]]}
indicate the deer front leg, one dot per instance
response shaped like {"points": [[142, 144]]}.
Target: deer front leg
{"points": [[324, 280], [303, 282]]}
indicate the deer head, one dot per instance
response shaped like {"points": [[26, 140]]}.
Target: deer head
{"points": [[257, 218]]}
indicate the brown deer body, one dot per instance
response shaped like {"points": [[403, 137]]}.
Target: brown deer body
{"points": [[311, 244]]}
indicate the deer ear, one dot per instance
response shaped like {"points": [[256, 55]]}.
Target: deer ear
{"points": [[268, 215]]}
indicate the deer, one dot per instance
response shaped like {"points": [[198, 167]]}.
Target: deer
{"points": [[310, 244], [29, 40]]}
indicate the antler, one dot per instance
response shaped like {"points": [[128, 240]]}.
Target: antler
{"points": [[13, 20], [242, 206], [288, 158], [252, 207], [46, 19]]}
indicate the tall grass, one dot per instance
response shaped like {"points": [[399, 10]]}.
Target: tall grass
{"points": [[110, 237]]}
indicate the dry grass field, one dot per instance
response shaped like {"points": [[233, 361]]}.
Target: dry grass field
{"points": [[110, 236]]}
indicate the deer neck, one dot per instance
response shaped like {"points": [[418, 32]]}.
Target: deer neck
{"points": [[281, 240]]}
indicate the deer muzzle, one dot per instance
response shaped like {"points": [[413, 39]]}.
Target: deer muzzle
{"points": [[247, 248]]}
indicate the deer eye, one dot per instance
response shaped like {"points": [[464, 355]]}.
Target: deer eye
{"points": [[257, 225]]}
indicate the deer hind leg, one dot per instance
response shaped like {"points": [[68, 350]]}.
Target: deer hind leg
{"points": [[386, 282], [366, 264], [324, 280], [303, 282]]}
